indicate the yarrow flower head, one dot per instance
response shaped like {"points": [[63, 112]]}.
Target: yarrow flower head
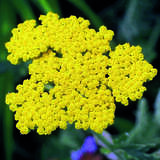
{"points": [[72, 79]]}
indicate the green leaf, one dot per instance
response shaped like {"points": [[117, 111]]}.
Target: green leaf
{"points": [[105, 150], [123, 155], [55, 6], [157, 109], [136, 26], [65, 141], [121, 139], [140, 147], [156, 155], [7, 22], [123, 125], [138, 151], [71, 140], [142, 114], [24, 9], [148, 51], [105, 141], [142, 118], [8, 19], [6, 81], [85, 8], [132, 151], [154, 36], [48, 5]]}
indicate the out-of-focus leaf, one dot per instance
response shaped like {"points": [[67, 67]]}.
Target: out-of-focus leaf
{"points": [[123, 155], [135, 151], [20, 70], [105, 150], [6, 81], [157, 108], [23, 8], [55, 5], [127, 26], [85, 8], [140, 147], [4, 66], [135, 21], [149, 53], [137, 25], [44, 5], [142, 114], [65, 142], [123, 125], [121, 139], [71, 140], [53, 149], [156, 155], [138, 151], [7, 17], [142, 119], [48, 5], [147, 50], [154, 36], [142, 140], [105, 142], [106, 136]]}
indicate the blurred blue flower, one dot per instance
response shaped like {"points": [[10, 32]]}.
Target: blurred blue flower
{"points": [[89, 146], [76, 155]]}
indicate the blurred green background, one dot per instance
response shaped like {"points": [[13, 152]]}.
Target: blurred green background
{"points": [[134, 21]]}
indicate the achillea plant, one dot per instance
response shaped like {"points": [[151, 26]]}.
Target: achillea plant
{"points": [[72, 79]]}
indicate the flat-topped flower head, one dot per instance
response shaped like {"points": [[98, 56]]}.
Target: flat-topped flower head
{"points": [[72, 80], [127, 72]]}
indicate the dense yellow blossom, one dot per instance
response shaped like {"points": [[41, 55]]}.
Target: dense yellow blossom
{"points": [[65, 35], [127, 73], [72, 80]]}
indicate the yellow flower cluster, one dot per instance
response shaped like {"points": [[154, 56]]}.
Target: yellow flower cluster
{"points": [[72, 80], [127, 72]]}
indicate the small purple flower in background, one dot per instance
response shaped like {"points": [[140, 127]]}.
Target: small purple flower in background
{"points": [[76, 155], [87, 150], [89, 145]]}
